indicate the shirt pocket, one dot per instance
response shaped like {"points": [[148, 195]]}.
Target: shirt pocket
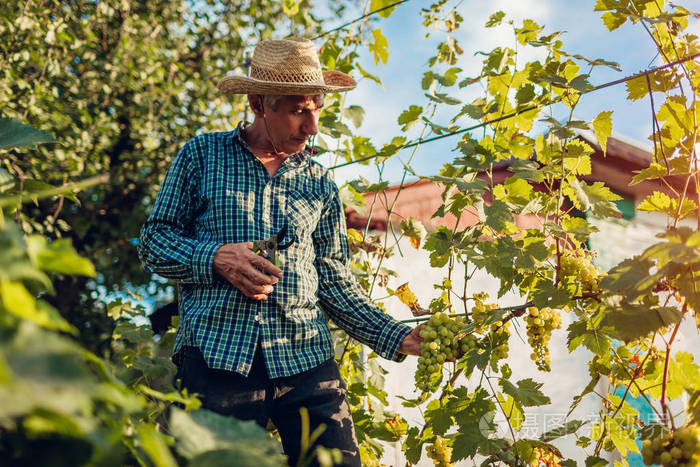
{"points": [[303, 211]]}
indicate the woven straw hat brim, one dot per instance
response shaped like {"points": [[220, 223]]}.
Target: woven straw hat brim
{"points": [[335, 81]]}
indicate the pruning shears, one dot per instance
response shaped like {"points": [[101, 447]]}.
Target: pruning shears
{"points": [[268, 248]]}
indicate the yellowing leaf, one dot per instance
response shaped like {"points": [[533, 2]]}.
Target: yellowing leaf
{"points": [[414, 230], [408, 298], [661, 202], [380, 47], [602, 126], [652, 172], [375, 5], [637, 88]]}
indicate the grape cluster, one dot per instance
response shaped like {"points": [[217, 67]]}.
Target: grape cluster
{"points": [[440, 452], [680, 448], [499, 332], [578, 265], [540, 324], [440, 344]]}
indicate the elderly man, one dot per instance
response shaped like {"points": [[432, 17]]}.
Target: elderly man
{"points": [[253, 338]]}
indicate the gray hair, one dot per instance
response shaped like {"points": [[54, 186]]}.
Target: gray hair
{"points": [[272, 100]]}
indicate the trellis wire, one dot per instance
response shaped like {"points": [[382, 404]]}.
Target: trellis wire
{"points": [[521, 111], [359, 19]]}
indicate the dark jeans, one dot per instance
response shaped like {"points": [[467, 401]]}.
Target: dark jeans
{"points": [[258, 397]]}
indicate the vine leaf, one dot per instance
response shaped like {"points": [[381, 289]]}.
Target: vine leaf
{"points": [[202, 431], [592, 339], [602, 126], [661, 202], [414, 230], [652, 172], [379, 47], [409, 117], [498, 215], [569, 427], [527, 392], [16, 134], [627, 321]]}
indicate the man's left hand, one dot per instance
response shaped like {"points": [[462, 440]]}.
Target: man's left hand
{"points": [[411, 343]]}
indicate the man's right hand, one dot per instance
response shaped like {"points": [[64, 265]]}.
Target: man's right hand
{"points": [[237, 263]]}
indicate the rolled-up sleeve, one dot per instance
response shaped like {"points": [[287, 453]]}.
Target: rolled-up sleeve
{"points": [[168, 245], [339, 293]]}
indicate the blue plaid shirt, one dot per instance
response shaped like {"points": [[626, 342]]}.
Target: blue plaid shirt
{"points": [[218, 192]]}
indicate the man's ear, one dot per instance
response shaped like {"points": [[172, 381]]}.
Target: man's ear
{"points": [[256, 103]]}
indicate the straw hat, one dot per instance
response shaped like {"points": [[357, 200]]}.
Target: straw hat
{"points": [[286, 67]]}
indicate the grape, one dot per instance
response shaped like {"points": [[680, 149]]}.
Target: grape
{"points": [[440, 452], [439, 345], [540, 324], [679, 448], [578, 265]]}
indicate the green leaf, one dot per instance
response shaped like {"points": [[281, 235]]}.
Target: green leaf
{"points": [[379, 47], [568, 428], [628, 321], [156, 446], [495, 19], [580, 333], [595, 461], [527, 392], [439, 417], [628, 273], [355, 113], [16, 134], [362, 185], [525, 94], [203, 431], [498, 215], [58, 256], [368, 75], [18, 301], [409, 117]]}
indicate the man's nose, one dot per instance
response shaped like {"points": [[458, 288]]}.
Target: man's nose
{"points": [[310, 125]]}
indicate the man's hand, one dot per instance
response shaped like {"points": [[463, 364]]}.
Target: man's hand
{"points": [[411, 343], [237, 263]]}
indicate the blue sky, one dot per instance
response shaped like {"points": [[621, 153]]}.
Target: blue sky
{"points": [[409, 51]]}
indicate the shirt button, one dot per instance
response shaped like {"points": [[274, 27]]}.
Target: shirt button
{"points": [[257, 317]]}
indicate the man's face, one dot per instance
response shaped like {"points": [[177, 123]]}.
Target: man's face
{"points": [[294, 120]]}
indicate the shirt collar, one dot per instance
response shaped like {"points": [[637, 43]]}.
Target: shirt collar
{"points": [[293, 161]]}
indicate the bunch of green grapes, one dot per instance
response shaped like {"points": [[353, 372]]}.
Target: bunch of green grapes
{"points": [[480, 310], [440, 344], [680, 448], [440, 452], [540, 324], [578, 264], [499, 332]]}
